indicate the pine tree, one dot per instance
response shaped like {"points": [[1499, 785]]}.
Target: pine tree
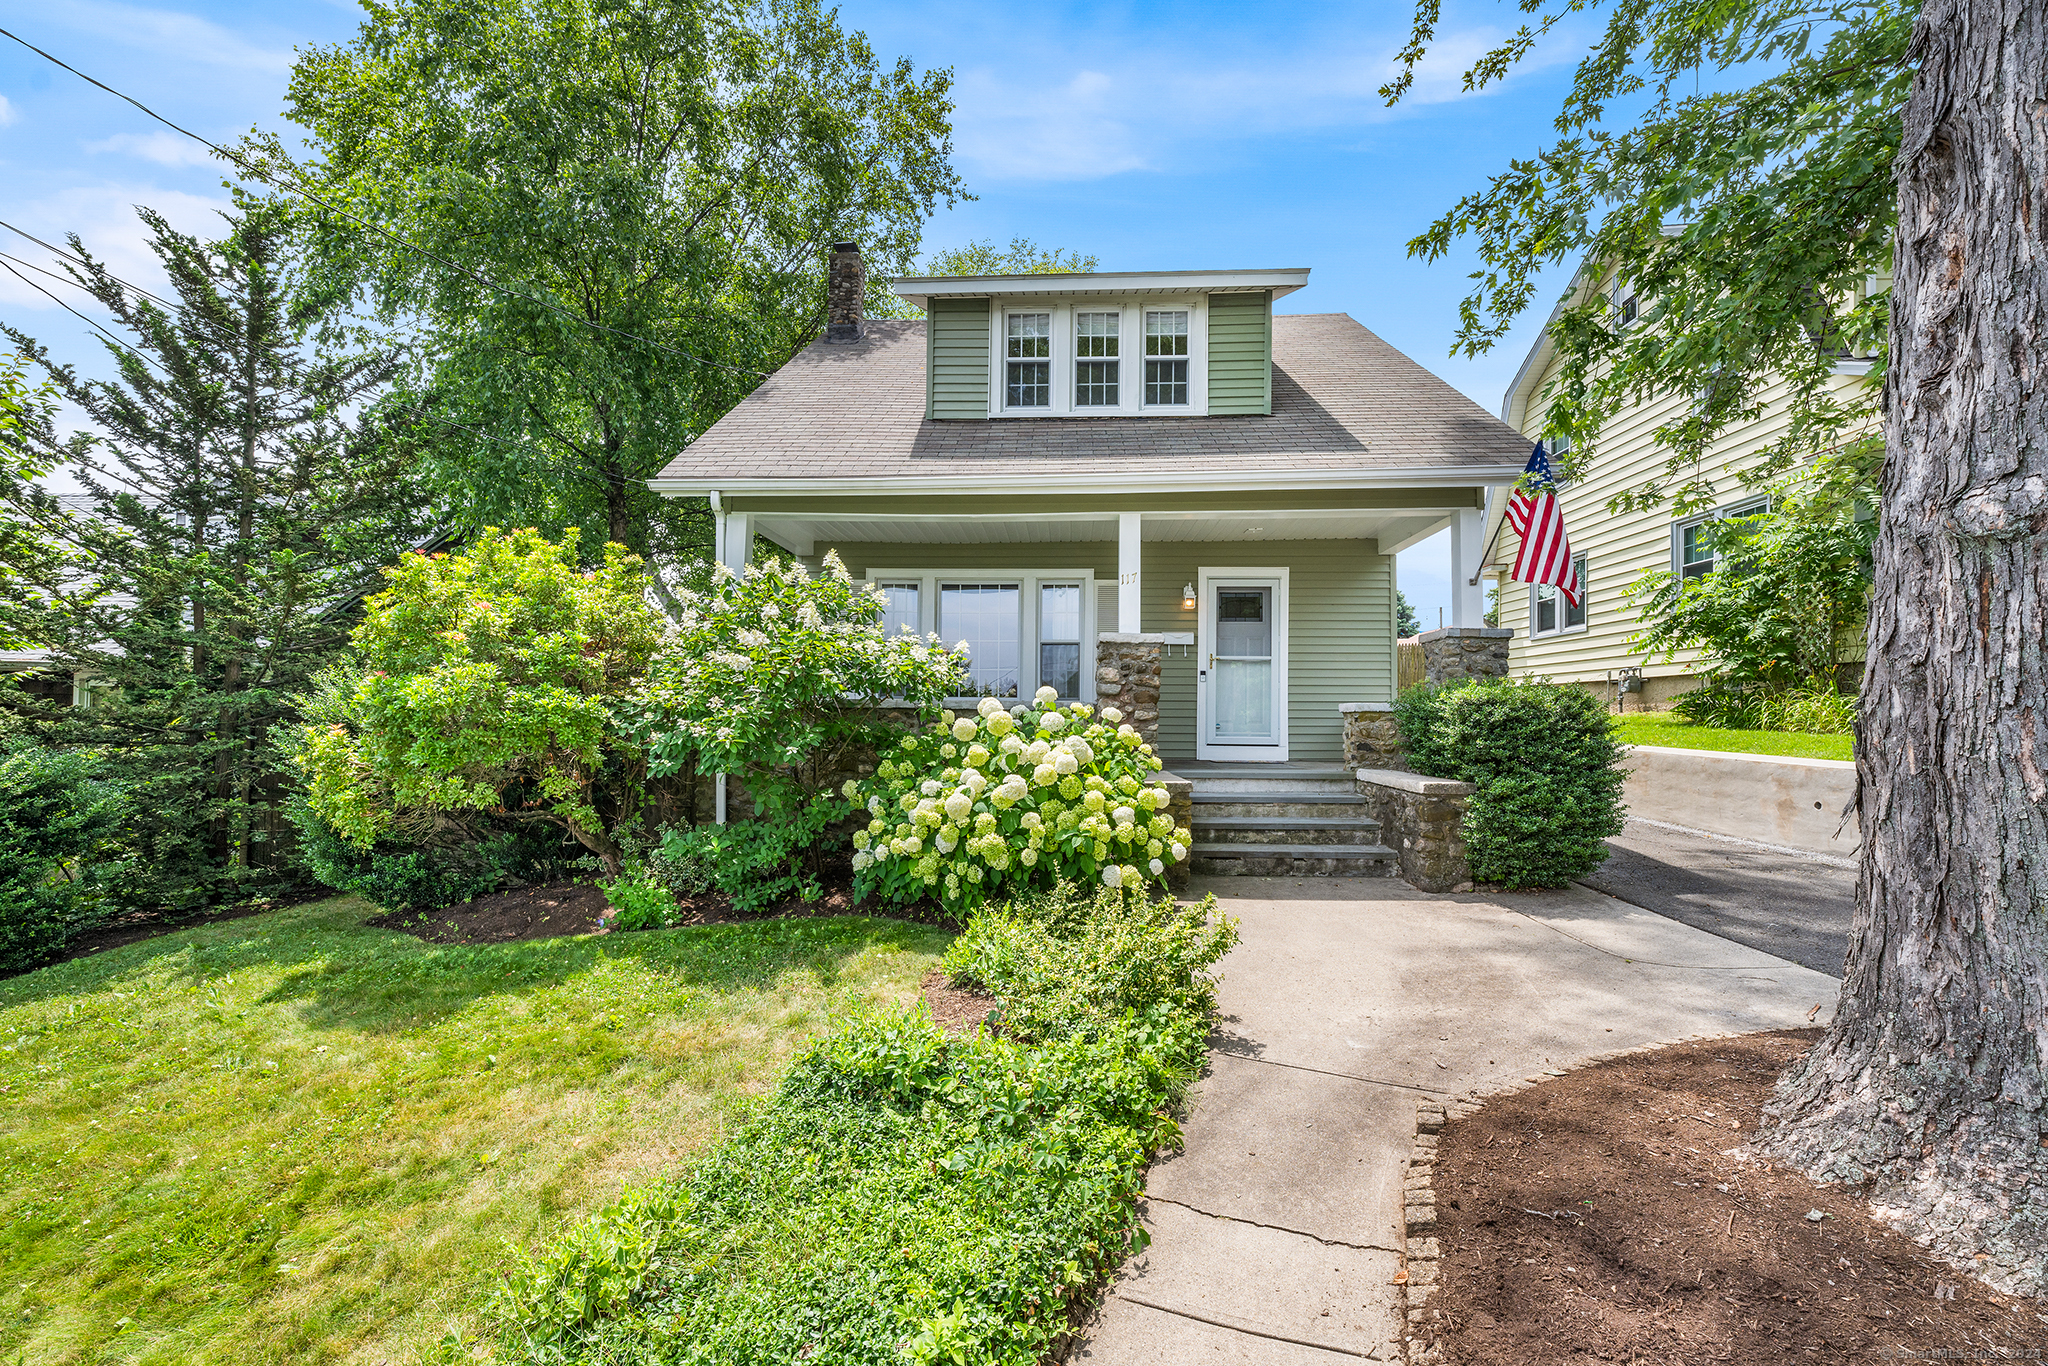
{"points": [[242, 490]]}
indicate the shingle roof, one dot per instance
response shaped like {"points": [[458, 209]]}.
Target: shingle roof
{"points": [[1342, 399]]}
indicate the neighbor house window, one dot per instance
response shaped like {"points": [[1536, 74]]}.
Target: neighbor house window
{"points": [[1095, 360], [984, 616], [1626, 304], [1166, 357], [1693, 544], [1549, 610], [1059, 638], [1028, 379], [902, 615]]}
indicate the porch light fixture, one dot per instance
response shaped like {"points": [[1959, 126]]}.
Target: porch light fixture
{"points": [[1187, 598]]}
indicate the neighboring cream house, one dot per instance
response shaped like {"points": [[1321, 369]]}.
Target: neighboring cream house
{"points": [[1589, 643]]}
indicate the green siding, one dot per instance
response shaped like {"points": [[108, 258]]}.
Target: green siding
{"points": [[1340, 630], [1241, 353], [956, 358], [860, 556], [1340, 633]]}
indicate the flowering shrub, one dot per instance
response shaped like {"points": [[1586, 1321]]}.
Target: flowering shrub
{"points": [[1013, 799]]}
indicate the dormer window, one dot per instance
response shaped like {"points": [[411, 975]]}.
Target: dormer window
{"points": [[1029, 362], [1166, 357], [1095, 360]]}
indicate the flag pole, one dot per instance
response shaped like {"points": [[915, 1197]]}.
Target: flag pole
{"points": [[1492, 541]]}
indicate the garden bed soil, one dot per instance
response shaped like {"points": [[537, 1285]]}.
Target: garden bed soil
{"points": [[956, 1010], [564, 908], [1617, 1214]]}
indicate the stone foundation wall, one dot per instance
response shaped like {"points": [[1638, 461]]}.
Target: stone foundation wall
{"points": [[1421, 819], [1371, 739], [1127, 678], [1456, 653]]}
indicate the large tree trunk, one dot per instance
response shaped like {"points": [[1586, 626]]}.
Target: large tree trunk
{"points": [[1929, 1086]]}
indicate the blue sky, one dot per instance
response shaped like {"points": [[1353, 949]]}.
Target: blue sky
{"points": [[1155, 137]]}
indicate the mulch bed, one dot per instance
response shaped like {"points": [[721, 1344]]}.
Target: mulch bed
{"points": [[563, 908], [1615, 1214], [957, 1011]]}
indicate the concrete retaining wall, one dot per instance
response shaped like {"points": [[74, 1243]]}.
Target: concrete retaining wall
{"points": [[1797, 803]]}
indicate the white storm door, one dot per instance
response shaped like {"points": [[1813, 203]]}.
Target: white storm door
{"points": [[1241, 676]]}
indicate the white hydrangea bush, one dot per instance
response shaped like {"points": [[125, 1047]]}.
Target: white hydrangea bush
{"points": [[1010, 799]]}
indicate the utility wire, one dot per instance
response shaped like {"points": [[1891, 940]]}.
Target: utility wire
{"points": [[61, 254], [324, 203]]}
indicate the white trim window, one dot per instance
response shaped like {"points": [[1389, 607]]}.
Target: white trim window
{"points": [[1627, 304], [1550, 613], [1027, 360], [1023, 627], [1166, 358], [1692, 542], [1097, 358]]}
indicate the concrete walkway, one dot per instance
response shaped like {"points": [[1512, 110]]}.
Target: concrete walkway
{"points": [[1277, 1232]]}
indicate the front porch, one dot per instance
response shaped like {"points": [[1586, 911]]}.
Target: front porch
{"points": [[1228, 624]]}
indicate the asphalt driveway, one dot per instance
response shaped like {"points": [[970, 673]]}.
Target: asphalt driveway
{"points": [[1790, 905]]}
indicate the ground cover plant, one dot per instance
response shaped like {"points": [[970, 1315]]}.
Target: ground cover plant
{"points": [[293, 1138], [1012, 798], [906, 1196], [1546, 766], [60, 822], [1672, 731]]}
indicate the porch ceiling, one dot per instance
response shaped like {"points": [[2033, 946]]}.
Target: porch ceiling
{"points": [[1393, 527]]}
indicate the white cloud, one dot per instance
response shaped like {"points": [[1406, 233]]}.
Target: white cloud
{"points": [[172, 34], [104, 218], [7, 114], [165, 149], [1134, 108]]}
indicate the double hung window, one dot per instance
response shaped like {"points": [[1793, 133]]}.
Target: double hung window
{"points": [[1166, 357], [1027, 381], [902, 612], [1096, 360], [1693, 545], [1059, 638], [1551, 612]]}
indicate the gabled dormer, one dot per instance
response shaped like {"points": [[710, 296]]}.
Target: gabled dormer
{"points": [[1167, 343]]}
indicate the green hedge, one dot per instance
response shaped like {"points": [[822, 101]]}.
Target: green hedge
{"points": [[1546, 765], [59, 861], [905, 1195]]}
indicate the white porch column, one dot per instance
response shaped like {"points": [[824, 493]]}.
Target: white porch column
{"points": [[1468, 543], [1129, 556], [735, 537]]}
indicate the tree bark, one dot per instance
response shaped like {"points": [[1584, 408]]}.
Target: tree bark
{"points": [[1928, 1088]]}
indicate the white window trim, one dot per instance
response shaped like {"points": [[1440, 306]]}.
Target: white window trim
{"points": [[1130, 347], [1585, 602], [1027, 581], [1742, 507]]}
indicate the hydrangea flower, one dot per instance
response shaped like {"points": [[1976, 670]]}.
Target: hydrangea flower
{"points": [[958, 806], [1157, 867], [850, 789], [1027, 856], [974, 781], [1112, 876], [1112, 715], [949, 751], [1045, 775], [1001, 724], [862, 861], [1053, 722], [1179, 851], [1070, 787], [1030, 820], [931, 787], [1093, 801], [1123, 815], [1065, 763], [1046, 696], [987, 707], [861, 839], [976, 756], [1037, 750], [964, 729]]}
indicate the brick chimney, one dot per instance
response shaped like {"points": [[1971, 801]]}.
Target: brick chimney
{"points": [[846, 287]]}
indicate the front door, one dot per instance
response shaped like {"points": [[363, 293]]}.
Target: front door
{"points": [[1241, 675]]}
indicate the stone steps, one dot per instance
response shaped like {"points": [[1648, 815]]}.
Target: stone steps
{"points": [[1278, 829], [1295, 860], [1211, 805]]}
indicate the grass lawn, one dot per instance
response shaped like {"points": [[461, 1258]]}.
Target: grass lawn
{"points": [[292, 1138], [1660, 728]]}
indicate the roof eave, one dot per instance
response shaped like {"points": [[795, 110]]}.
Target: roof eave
{"points": [[917, 289], [1419, 476]]}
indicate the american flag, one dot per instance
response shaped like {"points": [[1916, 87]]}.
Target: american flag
{"points": [[1545, 556]]}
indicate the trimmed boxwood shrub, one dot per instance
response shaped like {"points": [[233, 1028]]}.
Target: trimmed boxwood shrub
{"points": [[1546, 765]]}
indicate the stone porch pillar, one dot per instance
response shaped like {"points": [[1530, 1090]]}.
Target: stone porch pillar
{"points": [[1127, 678], [1456, 653]]}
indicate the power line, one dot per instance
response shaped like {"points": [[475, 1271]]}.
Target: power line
{"points": [[61, 254], [324, 203]]}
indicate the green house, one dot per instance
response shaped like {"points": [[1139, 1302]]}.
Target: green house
{"points": [[1147, 487]]}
